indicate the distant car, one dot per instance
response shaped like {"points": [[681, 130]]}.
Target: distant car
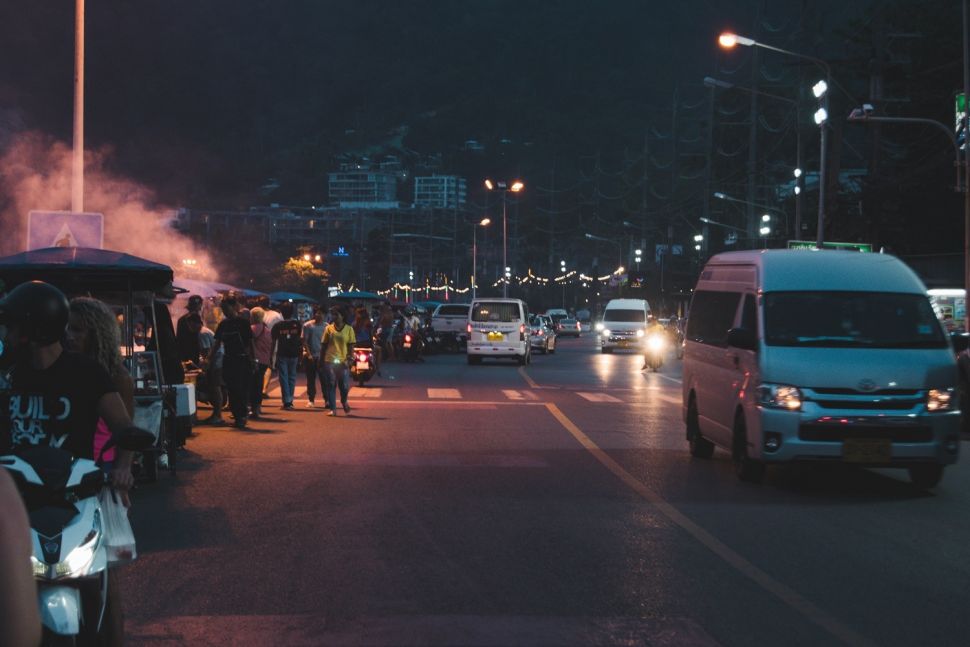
{"points": [[542, 334], [556, 314], [568, 328]]}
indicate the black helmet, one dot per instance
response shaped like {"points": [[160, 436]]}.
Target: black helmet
{"points": [[38, 309]]}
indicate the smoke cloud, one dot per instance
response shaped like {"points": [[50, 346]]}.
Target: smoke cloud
{"points": [[35, 175]]}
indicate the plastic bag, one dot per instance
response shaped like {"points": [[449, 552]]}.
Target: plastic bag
{"points": [[149, 417], [119, 538]]}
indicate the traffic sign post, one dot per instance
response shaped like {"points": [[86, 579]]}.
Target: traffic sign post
{"points": [[64, 229]]}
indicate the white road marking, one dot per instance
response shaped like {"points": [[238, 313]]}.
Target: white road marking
{"points": [[512, 395], [362, 392], [598, 397], [448, 394]]}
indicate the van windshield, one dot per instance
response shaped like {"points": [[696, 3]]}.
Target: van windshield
{"points": [[495, 311], [617, 314], [851, 319]]}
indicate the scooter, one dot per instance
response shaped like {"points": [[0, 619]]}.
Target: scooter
{"points": [[412, 343], [656, 344], [71, 554], [363, 366]]}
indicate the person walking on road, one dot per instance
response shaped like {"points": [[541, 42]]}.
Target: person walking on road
{"points": [[263, 343], [236, 338], [287, 346], [338, 343], [213, 375], [312, 339], [187, 331]]}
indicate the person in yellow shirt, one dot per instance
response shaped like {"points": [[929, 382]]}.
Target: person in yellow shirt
{"points": [[337, 346]]}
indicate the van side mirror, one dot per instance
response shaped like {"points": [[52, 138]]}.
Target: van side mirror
{"points": [[742, 338]]}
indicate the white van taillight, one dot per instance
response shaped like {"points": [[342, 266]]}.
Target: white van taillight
{"points": [[521, 332], [468, 328]]}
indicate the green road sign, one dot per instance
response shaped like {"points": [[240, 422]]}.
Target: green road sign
{"points": [[848, 247]]}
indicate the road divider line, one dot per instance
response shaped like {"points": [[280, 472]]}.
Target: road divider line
{"points": [[783, 592], [528, 380]]}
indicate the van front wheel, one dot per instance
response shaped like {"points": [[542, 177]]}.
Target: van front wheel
{"points": [[747, 469], [925, 477]]}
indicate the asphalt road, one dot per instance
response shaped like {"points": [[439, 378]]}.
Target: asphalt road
{"points": [[554, 505]]}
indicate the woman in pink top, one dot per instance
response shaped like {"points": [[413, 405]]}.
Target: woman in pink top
{"points": [[263, 341], [92, 330]]}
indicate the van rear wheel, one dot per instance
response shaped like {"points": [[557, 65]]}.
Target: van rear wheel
{"points": [[747, 469], [925, 477], [700, 447]]}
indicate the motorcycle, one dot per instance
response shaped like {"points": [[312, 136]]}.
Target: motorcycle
{"points": [[412, 344], [72, 551], [656, 344], [363, 366]]}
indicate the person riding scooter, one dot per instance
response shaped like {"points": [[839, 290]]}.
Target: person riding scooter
{"points": [[654, 330]]}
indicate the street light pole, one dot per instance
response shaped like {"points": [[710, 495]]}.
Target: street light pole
{"points": [[516, 186], [77, 176], [727, 41], [483, 223]]}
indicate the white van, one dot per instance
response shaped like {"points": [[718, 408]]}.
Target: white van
{"points": [[801, 355], [498, 328], [623, 325]]}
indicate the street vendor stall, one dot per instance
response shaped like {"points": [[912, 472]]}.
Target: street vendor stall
{"points": [[137, 290]]}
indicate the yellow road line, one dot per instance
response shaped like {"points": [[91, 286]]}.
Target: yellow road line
{"points": [[783, 592], [528, 380]]}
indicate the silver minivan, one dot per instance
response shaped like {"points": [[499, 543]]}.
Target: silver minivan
{"points": [[498, 328], [807, 355]]}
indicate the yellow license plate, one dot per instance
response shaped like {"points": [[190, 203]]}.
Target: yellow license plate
{"points": [[867, 450], [495, 336]]}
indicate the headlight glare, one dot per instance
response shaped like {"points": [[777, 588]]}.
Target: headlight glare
{"points": [[780, 396], [599, 326], [940, 400], [655, 342], [640, 333], [606, 332]]}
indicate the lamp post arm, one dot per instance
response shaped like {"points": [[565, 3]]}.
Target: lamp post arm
{"points": [[922, 121]]}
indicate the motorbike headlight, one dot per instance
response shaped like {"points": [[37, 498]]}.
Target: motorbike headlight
{"points": [[605, 332], [780, 396], [940, 400], [640, 333], [655, 342], [599, 326], [39, 567], [79, 560]]}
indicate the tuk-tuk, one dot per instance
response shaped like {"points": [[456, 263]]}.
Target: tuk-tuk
{"points": [[137, 290]]}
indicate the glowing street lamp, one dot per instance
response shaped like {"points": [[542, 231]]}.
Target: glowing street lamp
{"points": [[728, 40], [516, 186], [484, 222]]}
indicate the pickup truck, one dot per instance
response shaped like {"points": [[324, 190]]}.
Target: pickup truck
{"points": [[451, 320]]}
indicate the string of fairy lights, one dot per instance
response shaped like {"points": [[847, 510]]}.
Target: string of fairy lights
{"points": [[571, 277]]}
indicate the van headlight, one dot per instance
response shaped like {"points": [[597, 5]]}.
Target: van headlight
{"points": [[640, 333], [605, 332], [940, 400], [599, 326], [780, 396]]}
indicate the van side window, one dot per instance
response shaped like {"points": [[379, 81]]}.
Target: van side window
{"points": [[749, 314], [711, 316]]}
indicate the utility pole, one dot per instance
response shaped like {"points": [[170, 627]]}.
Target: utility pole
{"points": [[750, 222], [77, 177]]}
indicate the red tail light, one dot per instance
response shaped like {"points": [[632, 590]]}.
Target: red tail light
{"points": [[362, 357], [407, 338], [468, 328], [577, 326], [522, 328]]}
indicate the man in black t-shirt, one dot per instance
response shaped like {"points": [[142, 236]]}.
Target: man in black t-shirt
{"points": [[287, 347], [236, 337], [187, 331], [54, 397]]}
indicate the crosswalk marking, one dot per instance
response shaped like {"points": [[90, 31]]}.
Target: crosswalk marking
{"points": [[367, 392], [448, 394], [512, 394], [597, 397]]}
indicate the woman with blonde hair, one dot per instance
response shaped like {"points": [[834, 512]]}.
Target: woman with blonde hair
{"points": [[92, 330]]}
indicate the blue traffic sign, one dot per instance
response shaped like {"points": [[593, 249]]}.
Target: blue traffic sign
{"points": [[64, 229]]}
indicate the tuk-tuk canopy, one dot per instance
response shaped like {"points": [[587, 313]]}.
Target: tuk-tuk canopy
{"points": [[81, 270]]}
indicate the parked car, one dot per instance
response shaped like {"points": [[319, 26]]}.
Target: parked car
{"points": [[450, 324], [568, 327], [542, 333]]}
